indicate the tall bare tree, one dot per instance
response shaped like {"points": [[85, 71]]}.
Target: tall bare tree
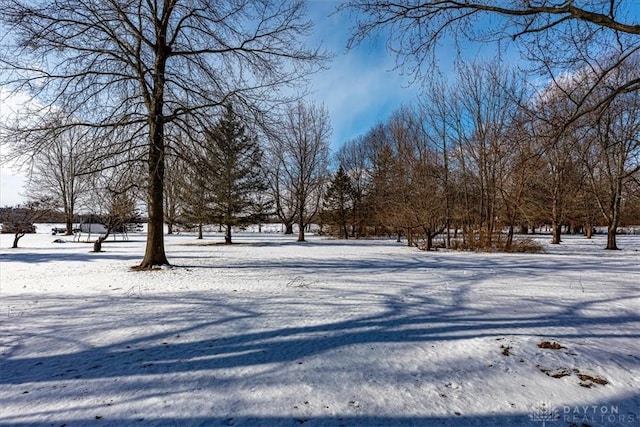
{"points": [[489, 97], [612, 153], [60, 173], [302, 147], [147, 65]]}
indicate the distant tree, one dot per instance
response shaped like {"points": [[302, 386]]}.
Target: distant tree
{"points": [[437, 113], [115, 195], [560, 39], [338, 202], [353, 157], [61, 173], [302, 150], [612, 153], [280, 185], [382, 196], [489, 99], [176, 169], [235, 167], [120, 210], [141, 67], [194, 190], [261, 208], [20, 219]]}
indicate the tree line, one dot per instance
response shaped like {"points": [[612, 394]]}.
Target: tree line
{"points": [[197, 109], [487, 155]]}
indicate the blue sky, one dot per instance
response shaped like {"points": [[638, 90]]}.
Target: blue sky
{"points": [[360, 87]]}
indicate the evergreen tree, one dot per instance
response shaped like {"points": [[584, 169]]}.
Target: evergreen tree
{"points": [[235, 166], [338, 201]]}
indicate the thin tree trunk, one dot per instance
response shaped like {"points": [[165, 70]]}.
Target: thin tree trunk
{"points": [[16, 238], [301, 227], [588, 231], [227, 234], [509, 243]]}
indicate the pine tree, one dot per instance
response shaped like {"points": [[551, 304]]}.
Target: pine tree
{"points": [[338, 201], [235, 165]]}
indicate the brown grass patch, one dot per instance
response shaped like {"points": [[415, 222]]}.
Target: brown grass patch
{"points": [[550, 345]]}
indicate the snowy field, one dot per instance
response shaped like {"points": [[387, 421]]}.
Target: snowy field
{"points": [[270, 332]]}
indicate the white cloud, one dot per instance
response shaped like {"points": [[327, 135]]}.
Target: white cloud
{"points": [[11, 180], [360, 88]]}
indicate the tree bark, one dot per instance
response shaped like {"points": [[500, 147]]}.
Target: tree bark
{"points": [[301, 224], [227, 234], [288, 228], [154, 251], [611, 237], [16, 238], [588, 231]]}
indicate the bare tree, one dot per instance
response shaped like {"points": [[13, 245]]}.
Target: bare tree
{"points": [[489, 100], [115, 195], [569, 34], [438, 116], [20, 219], [175, 171], [147, 65], [60, 173], [302, 147], [280, 185], [612, 154]]}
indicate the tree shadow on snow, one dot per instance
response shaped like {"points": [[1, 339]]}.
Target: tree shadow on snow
{"points": [[211, 335]]}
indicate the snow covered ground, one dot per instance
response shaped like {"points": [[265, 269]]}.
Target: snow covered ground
{"points": [[270, 332]]}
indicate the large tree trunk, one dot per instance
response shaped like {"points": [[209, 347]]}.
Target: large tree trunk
{"points": [[67, 209], [288, 228], [556, 233], [611, 237], [68, 227], [154, 252]]}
